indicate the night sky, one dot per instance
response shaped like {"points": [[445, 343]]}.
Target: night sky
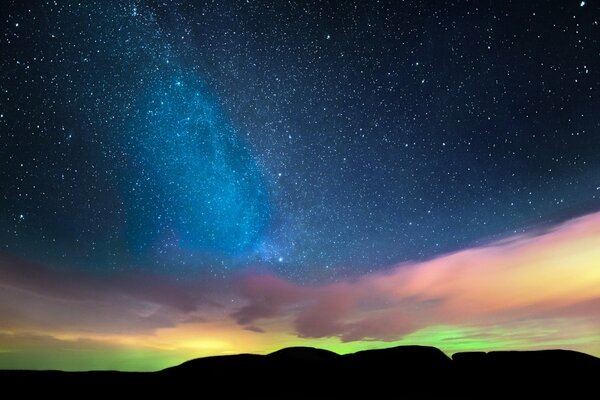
{"points": [[305, 143]]}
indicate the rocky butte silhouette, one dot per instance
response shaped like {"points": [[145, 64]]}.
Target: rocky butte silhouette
{"points": [[310, 372]]}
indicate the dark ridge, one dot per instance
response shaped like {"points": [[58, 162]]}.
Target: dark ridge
{"points": [[543, 371], [310, 372], [238, 360], [414, 355], [304, 354]]}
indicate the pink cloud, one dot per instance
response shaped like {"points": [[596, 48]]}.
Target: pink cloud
{"points": [[323, 317], [269, 296], [555, 274]]}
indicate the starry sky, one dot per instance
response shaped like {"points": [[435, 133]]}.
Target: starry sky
{"points": [[186, 178]]}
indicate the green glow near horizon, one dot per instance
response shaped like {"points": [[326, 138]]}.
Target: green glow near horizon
{"points": [[449, 339]]}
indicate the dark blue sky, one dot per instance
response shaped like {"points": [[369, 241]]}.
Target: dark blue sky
{"points": [[319, 139]]}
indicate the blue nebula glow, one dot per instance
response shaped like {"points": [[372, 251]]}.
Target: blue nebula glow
{"points": [[147, 171], [195, 184]]}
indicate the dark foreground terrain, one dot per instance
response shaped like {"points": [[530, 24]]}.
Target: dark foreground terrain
{"points": [[309, 372]]}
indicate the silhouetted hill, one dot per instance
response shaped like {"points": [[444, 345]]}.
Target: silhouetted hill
{"points": [[304, 354], [313, 372], [544, 371]]}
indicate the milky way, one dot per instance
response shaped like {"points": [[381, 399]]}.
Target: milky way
{"points": [[322, 140], [143, 166], [201, 135]]}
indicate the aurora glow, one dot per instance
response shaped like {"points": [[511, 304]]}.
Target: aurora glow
{"points": [[189, 178], [535, 292]]}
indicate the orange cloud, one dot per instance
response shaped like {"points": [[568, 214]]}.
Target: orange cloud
{"points": [[555, 274]]}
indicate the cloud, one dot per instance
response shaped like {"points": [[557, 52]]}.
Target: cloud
{"points": [[254, 329], [551, 275], [36, 297], [269, 296], [324, 316]]}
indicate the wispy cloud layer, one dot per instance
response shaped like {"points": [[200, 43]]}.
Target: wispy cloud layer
{"points": [[555, 274], [531, 291]]}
